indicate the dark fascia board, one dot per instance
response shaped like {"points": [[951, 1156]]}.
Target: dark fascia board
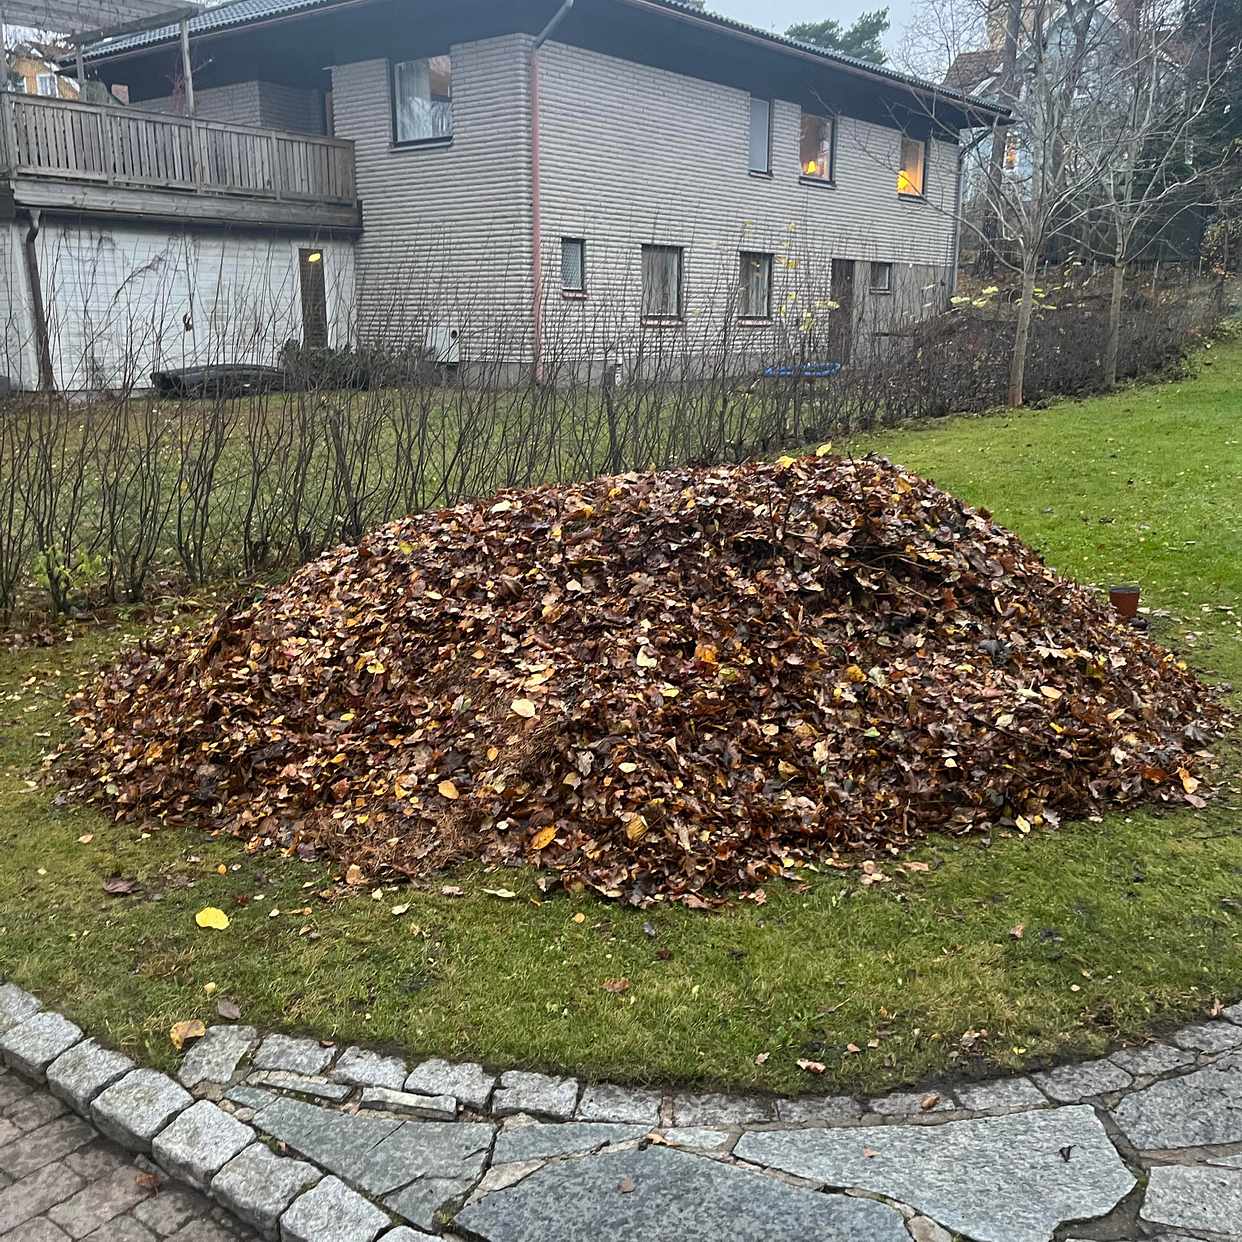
{"points": [[228, 17]]}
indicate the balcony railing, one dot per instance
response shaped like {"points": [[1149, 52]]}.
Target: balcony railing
{"points": [[59, 139]]}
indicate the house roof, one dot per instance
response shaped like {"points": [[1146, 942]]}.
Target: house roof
{"points": [[244, 12], [970, 70]]}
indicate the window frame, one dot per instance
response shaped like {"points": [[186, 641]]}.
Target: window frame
{"points": [[663, 318], [414, 144], [40, 78], [811, 178], [880, 290], [769, 257], [924, 148], [766, 171], [568, 291]]}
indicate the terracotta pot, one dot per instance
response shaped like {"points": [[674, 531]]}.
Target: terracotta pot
{"points": [[1125, 599]]}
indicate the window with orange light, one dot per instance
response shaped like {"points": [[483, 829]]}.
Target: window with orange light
{"points": [[913, 167], [817, 146]]}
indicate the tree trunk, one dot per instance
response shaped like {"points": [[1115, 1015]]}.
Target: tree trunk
{"points": [[1017, 365], [1112, 345]]}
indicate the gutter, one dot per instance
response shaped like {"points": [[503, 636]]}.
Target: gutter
{"points": [[536, 213]]}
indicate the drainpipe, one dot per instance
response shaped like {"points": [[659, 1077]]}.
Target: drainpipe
{"points": [[47, 380], [536, 216]]}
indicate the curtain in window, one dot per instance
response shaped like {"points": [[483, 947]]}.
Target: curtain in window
{"points": [[424, 105], [756, 282], [662, 282]]}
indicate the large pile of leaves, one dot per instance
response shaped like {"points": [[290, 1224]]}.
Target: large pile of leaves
{"points": [[656, 685]]}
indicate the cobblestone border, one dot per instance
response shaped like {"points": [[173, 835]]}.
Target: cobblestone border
{"points": [[198, 1129]]}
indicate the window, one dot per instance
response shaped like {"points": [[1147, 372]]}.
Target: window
{"points": [[662, 282], [881, 278], [46, 84], [817, 145], [760, 135], [755, 285], [573, 265], [422, 92], [913, 164]]}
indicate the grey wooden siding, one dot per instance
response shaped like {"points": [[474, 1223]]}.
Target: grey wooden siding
{"points": [[634, 155], [270, 104], [446, 229]]}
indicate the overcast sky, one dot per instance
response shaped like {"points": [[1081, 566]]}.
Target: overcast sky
{"points": [[780, 14]]}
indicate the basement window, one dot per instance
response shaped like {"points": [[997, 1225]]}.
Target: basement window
{"points": [[422, 100]]}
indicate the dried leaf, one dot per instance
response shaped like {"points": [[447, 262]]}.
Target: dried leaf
{"points": [[812, 1067], [448, 790], [616, 985], [184, 1033], [210, 916], [524, 708]]}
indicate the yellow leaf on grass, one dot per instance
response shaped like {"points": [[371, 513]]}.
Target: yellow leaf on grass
{"points": [[211, 917], [183, 1033], [824, 449], [506, 893], [524, 708], [448, 790], [544, 837]]}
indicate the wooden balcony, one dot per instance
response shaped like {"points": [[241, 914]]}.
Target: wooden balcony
{"points": [[59, 155]]}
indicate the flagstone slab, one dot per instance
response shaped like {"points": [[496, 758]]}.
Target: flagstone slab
{"points": [[216, 1056], [1198, 1108], [569, 1138], [360, 1067], [421, 1202], [1194, 1197], [628, 1105], [447, 1149], [522, 1092], [1152, 1059], [1208, 1037], [1013, 1178], [1068, 1084], [468, 1082], [657, 1194], [294, 1055], [819, 1108], [713, 1109], [334, 1140], [1002, 1095]]}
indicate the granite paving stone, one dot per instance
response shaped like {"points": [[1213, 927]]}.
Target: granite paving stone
{"points": [[258, 1185], [32, 1045], [13, 1088], [297, 1056], [98, 1202], [40, 1230], [698, 1137], [122, 1229], [331, 1139], [170, 1208], [912, 1103], [994, 1179], [54, 1141], [303, 1084], [198, 1143], [818, 1108], [79, 1075], [1194, 1197], [1208, 1037], [1233, 1013], [542, 1142], [36, 1193], [97, 1160], [331, 1212], [135, 1109], [1004, 1094], [630, 1105], [422, 1202], [1152, 1059], [467, 1082], [360, 1067], [523, 1092], [657, 1193], [1196, 1109], [433, 1107], [447, 1149], [35, 1110], [1068, 1084], [502, 1176], [15, 1005], [215, 1057], [720, 1110]]}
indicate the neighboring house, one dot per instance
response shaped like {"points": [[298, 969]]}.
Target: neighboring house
{"points": [[34, 70], [532, 178]]}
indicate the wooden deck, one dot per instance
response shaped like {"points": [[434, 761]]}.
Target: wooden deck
{"points": [[61, 155]]}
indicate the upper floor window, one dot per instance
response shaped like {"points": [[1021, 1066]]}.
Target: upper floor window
{"points": [[755, 285], [46, 84], [760, 135], [422, 93], [817, 146], [913, 168], [662, 291]]}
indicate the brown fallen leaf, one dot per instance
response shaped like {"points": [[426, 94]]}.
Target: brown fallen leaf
{"points": [[762, 1058], [616, 985], [119, 886], [627, 1185], [870, 1153], [86, 838], [812, 1067], [184, 1033], [354, 876], [146, 1180], [928, 1102], [448, 790], [1018, 930]]}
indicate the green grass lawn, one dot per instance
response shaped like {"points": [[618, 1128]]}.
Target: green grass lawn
{"points": [[1003, 953]]}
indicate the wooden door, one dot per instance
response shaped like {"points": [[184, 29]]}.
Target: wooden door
{"points": [[841, 323]]}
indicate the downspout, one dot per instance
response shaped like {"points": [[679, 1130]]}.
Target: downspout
{"points": [[955, 242], [536, 216], [47, 379]]}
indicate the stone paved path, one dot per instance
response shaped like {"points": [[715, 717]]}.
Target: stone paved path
{"points": [[306, 1142]]}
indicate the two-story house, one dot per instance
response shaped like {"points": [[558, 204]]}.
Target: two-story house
{"points": [[544, 171]]}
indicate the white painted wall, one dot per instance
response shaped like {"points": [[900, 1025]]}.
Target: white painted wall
{"points": [[123, 301]]}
